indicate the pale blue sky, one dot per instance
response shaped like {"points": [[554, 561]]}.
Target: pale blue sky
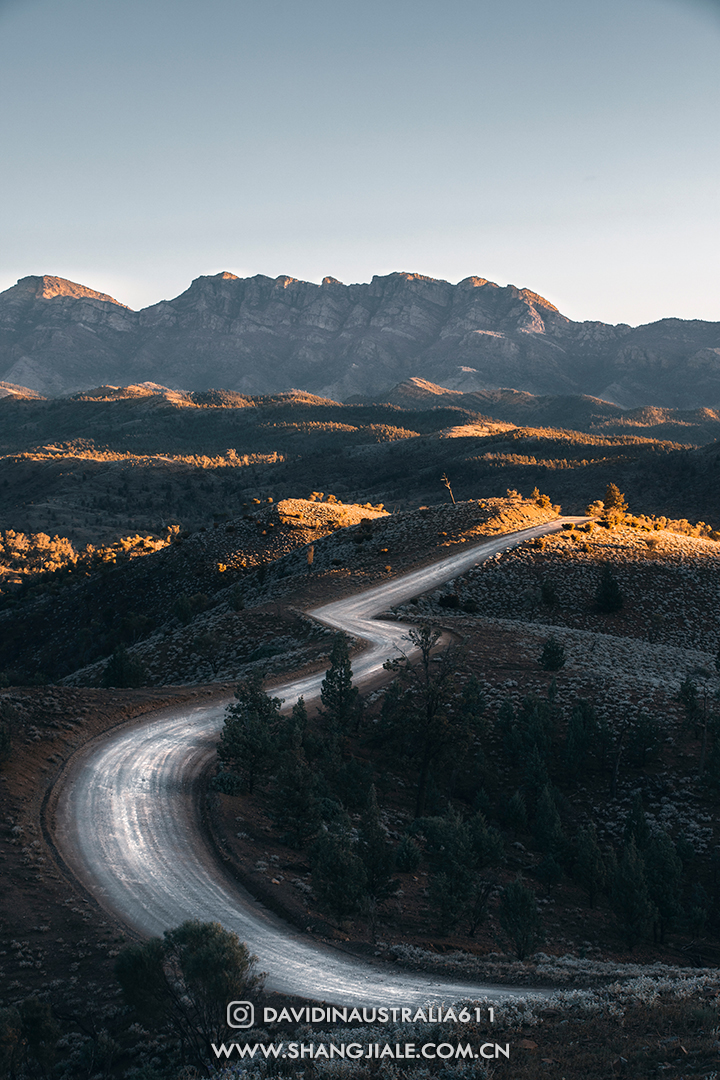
{"points": [[568, 146]]}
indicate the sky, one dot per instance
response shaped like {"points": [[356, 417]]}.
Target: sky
{"points": [[566, 146]]}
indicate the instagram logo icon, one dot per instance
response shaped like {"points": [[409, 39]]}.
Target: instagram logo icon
{"points": [[240, 1014]]}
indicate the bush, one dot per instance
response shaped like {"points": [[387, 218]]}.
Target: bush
{"points": [[608, 597], [5, 743], [519, 918], [122, 670], [449, 600], [553, 656], [185, 979], [407, 855]]}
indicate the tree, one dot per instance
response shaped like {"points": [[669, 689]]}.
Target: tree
{"points": [[547, 827], [5, 743], [614, 499], [644, 737], [425, 712], [247, 744], [553, 656], [664, 871], [446, 482], [295, 798], [28, 1033], [407, 855], [339, 697], [377, 857], [338, 874], [630, 899], [590, 870], [185, 980], [608, 597], [582, 730], [636, 826], [460, 854], [122, 670], [520, 919]]}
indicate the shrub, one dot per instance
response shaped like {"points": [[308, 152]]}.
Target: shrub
{"points": [[553, 656], [519, 918], [407, 855], [608, 597], [122, 670]]}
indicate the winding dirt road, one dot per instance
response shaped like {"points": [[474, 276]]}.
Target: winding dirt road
{"points": [[126, 820]]}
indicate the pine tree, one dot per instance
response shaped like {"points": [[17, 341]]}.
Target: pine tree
{"points": [[338, 875], [376, 853], [425, 714], [248, 741], [407, 855], [460, 854], [516, 813], [636, 826], [295, 802], [547, 827], [553, 656], [608, 596], [338, 695], [520, 919], [614, 499], [590, 869], [535, 775], [581, 731], [664, 872], [630, 899], [123, 670]]}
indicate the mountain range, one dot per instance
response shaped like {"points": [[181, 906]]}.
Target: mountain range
{"points": [[262, 335]]}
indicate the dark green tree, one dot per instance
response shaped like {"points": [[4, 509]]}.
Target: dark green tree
{"points": [[664, 873], [535, 776], [28, 1036], [630, 900], [407, 855], [547, 827], [122, 670], [590, 870], [425, 713], [339, 696], [185, 981], [296, 792], [460, 852], [608, 597], [553, 656], [516, 813], [643, 739], [520, 919], [248, 741], [338, 874], [376, 853], [581, 733], [636, 826]]}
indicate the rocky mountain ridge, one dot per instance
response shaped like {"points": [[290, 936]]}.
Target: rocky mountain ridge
{"points": [[263, 335]]}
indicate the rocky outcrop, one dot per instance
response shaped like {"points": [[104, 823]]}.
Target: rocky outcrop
{"points": [[261, 335]]}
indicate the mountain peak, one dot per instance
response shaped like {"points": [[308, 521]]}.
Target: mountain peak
{"points": [[46, 287]]}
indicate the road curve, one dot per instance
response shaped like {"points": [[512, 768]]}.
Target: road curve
{"points": [[126, 820]]}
